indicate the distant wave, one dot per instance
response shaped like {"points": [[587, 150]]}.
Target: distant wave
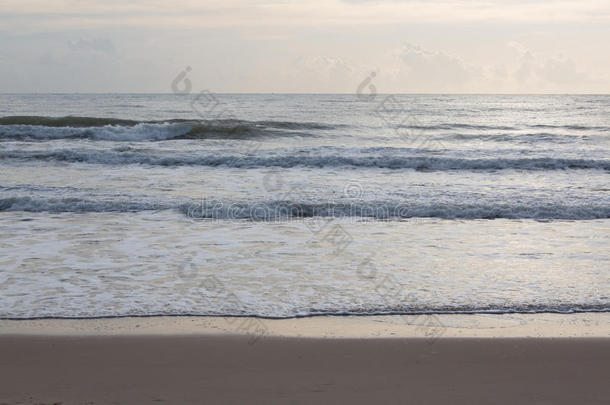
{"points": [[528, 138], [278, 210], [288, 161], [75, 122], [40, 128], [46, 128], [450, 126], [479, 127], [573, 127]]}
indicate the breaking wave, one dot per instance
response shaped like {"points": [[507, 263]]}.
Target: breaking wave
{"points": [[279, 210], [318, 161], [33, 128], [112, 129]]}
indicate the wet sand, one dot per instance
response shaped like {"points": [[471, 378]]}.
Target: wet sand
{"points": [[231, 369], [458, 359]]}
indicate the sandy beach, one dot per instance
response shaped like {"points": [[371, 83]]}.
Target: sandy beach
{"points": [[114, 362], [291, 202]]}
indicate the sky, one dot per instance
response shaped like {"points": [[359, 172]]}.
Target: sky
{"points": [[318, 46]]}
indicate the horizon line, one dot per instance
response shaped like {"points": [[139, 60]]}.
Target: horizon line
{"points": [[291, 93]]}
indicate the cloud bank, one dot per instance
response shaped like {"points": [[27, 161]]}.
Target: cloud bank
{"points": [[452, 46]]}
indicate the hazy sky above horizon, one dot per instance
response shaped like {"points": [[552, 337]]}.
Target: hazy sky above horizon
{"points": [[331, 46]]}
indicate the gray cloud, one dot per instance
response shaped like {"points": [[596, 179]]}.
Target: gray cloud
{"points": [[557, 71], [429, 68]]}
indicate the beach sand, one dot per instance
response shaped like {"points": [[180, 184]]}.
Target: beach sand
{"points": [[179, 361]]}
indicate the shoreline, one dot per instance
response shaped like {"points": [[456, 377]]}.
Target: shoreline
{"points": [[543, 325], [457, 359]]}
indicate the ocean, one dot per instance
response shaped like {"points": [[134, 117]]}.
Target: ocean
{"points": [[280, 206]]}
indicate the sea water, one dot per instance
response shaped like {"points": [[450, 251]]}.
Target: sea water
{"points": [[297, 205]]}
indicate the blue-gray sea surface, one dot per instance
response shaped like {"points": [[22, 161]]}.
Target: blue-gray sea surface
{"points": [[293, 205]]}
